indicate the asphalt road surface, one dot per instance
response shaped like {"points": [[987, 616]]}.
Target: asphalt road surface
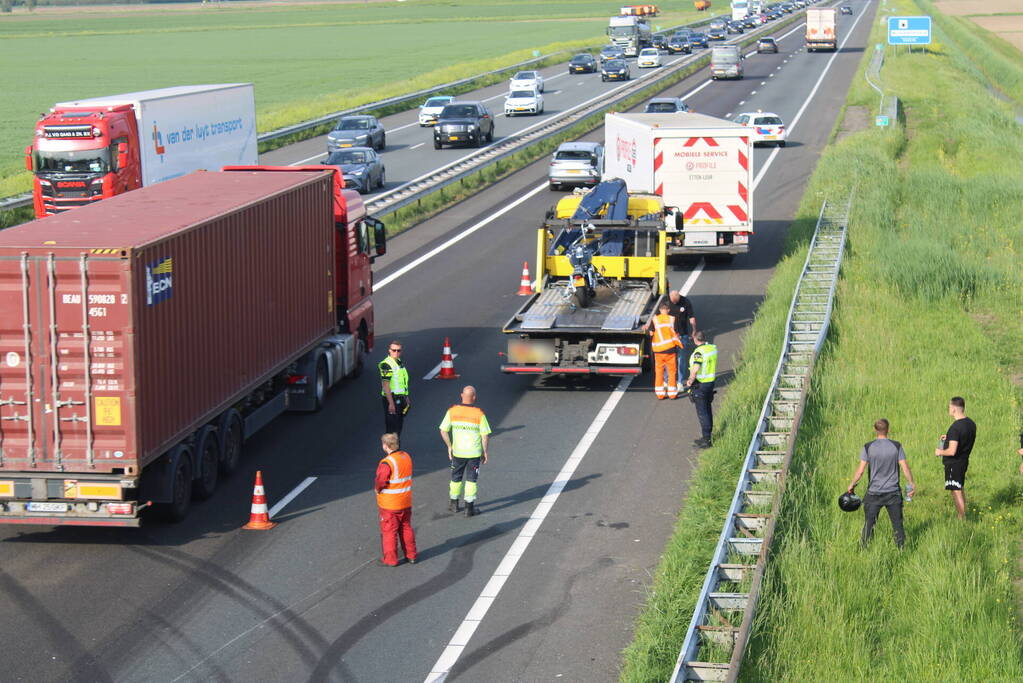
{"points": [[206, 601]]}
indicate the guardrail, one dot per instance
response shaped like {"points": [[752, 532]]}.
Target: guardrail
{"points": [[390, 201], [719, 631], [18, 201]]}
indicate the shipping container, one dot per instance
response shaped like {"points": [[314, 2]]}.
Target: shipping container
{"points": [[127, 325]]}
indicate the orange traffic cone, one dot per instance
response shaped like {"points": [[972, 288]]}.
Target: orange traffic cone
{"points": [[447, 365], [525, 289], [259, 518]]}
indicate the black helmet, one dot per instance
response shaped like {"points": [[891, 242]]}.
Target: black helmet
{"points": [[849, 501]]}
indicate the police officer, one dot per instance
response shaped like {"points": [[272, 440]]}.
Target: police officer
{"points": [[702, 368], [394, 389]]}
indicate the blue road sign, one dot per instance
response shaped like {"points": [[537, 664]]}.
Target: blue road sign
{"points": [[909, 30], [880, 120]]}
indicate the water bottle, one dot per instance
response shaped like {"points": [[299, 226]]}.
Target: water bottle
{"points": [[909, 493]]}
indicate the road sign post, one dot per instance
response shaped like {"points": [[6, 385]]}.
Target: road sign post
{"points": [[909, 30]]}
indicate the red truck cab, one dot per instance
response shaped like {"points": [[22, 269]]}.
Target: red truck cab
{"points": [[82, 155]]}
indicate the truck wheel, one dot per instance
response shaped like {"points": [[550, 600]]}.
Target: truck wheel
{"points": [[360, 356], [208, 460], [181, 491], [231, 440], [320, 386]]}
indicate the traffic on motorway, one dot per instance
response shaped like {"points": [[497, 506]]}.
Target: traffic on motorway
{"points": [[672, 193]]}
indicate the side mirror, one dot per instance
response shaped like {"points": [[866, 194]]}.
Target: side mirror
{"points": [[379, 236], [122, 154], [28, 157]]}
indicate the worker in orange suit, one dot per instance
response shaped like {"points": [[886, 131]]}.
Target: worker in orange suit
{"points": [[394, 500], [666, 345]]}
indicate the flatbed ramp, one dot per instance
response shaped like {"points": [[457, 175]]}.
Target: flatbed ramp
{"points": [[612, 311]]}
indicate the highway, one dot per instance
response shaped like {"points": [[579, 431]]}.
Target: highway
{"points": [[204, 600]]}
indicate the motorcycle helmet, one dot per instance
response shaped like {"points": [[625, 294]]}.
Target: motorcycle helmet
{"points": [[849, 501]]}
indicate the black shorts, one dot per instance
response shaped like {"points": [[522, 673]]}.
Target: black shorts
{"points": [[955, 474], [467, 468]]}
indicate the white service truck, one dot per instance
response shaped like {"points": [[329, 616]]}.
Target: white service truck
{"points": [[821, 33], [740, 9], [700, 165]]}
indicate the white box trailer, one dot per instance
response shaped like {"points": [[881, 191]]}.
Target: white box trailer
{"points": [[701, 165], [821, 33], [188, 128]]}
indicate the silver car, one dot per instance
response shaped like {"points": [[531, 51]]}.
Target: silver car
{"points": [[357, 131], [575, 164]]}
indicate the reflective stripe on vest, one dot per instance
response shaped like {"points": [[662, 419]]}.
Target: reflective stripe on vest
{"points": [[397, 495], [708, 362], [665, 337], [399, 378]]}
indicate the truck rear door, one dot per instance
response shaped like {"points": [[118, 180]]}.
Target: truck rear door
{"points": [[64, 348]]}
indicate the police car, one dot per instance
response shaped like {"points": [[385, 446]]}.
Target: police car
{"points": [[767, 128]]}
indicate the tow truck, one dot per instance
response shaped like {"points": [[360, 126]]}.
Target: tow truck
{"points": [[552, 333]]}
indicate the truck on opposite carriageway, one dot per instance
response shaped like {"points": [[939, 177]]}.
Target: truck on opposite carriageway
{"points": [[143, 339]]}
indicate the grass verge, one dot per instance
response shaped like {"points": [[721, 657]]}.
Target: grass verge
{"points": [[928, 307]]}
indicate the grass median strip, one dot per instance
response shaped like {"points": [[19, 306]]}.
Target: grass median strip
{"points": [[928, 307]]}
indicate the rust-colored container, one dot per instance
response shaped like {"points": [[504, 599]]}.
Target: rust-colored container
{"points": [[180, 299]]}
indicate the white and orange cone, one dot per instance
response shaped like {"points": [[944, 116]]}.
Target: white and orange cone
{"points": [[525, 289], [447, 364], [259, 518]]}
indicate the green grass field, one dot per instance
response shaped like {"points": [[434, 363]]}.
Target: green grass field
{"points": [[305, 60], [929, 306]]}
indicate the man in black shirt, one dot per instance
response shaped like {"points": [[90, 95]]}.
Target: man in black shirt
{"points": [[685, 324], [955, 449]]}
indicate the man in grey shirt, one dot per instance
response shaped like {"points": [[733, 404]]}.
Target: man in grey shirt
{"points": [[885, 458]]}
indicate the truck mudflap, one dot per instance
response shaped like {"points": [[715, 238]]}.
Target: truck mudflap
{"points": [[522, 369]]}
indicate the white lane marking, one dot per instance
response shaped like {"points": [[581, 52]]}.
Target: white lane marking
{"points": [[742, 103], [407, 125], [806, 103], [753, 92], [291, 496], [763, 82], [457, 238], [489, 594], [486, 598], [436, 371], [521, 131], [299, 163], [728, 115], [416, 146]]}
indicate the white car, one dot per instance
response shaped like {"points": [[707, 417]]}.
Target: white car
{"points": [[431, 108], [523, 102], [648, 56], [767, 128], [527, 80]]}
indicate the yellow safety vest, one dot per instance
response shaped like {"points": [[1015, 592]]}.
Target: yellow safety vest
{"points": [[397, 374], [708, 360]]}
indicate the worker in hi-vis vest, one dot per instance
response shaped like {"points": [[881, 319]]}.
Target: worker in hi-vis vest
{"points": [[466, 433], [394, 502], [665, 344], [702, 372], [394, 388]]}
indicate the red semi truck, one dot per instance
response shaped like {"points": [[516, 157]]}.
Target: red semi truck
{"points": [[92, 149], [143, 339]]}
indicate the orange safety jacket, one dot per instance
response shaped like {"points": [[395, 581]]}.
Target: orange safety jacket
{"points": [[397, 495], [665, 337]]}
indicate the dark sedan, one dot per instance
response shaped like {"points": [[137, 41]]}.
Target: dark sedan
{"points": [[615, 70], [845, 9], [679, 43], [361, 166], [734, 27], [582, 64], [716, 34], [660, 41]]}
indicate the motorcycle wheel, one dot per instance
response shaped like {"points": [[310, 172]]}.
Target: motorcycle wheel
{"points": [[581, 296]]}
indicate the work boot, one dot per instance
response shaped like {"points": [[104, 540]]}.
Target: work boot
{"points": [[705, 442], [453, 505], [470, 509]]}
